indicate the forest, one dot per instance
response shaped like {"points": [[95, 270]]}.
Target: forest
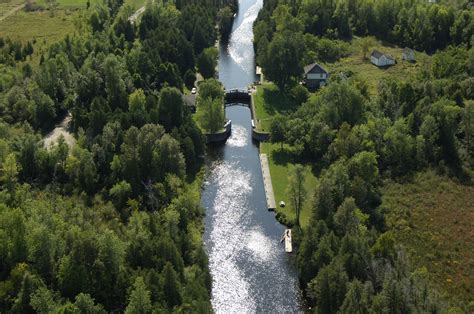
{"points": [[354, 139], [114, 222]]}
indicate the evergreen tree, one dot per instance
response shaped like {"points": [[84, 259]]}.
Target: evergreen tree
{"points": [[171, 287], [139, 301]]}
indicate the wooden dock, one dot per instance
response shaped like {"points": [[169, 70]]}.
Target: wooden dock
{"points": [[267, 182]]}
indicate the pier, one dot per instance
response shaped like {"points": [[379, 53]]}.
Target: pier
{"points": [[267, 182]]}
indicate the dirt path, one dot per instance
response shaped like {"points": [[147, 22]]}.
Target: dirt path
{"points": [[61, 129], [133, 18], [12, 11]]}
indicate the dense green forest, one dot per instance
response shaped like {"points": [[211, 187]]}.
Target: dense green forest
{"points": [[112, 223], [353, 140]]}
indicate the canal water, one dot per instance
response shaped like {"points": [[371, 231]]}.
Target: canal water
{"points": [[250, 270]]}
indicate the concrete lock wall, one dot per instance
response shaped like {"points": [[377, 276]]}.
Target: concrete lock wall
{"points": [[220, 137], [242, 98], [260, 136]]}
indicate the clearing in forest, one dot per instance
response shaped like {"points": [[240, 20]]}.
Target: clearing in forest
{"points": [[433, 218]]}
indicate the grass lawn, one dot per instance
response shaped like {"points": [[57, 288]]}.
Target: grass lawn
{"points": [[71, 4], [41, 28], [434, 219], [268, 102], [281, 163], [370, 73], [7, 6], [135, 4]]}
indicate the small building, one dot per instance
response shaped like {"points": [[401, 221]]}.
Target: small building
{"points": [[380, 59], [190, 102], [315, 76], [408, 55], [258, 73]]}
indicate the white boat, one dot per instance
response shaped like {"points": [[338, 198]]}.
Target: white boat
{"points": [[287, 238]]}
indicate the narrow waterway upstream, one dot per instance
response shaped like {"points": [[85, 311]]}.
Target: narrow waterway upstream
{"points": [[251, 272]]}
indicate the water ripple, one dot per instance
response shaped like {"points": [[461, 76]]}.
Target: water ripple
{"points": [[241, 40], [239, 137], [260, 246], [230, 293]]}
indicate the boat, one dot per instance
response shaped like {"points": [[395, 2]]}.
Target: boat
{"points": [[287, 238]]}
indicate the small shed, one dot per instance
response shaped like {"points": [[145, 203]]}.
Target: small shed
{"points": [[380, 59], [408, 54], [258, 72], [315, 75], [190, 102]]}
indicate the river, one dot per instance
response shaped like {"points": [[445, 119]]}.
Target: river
{"points": [[250, 270]]}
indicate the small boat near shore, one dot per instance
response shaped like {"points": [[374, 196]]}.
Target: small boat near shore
{"points": [[286, 237]]}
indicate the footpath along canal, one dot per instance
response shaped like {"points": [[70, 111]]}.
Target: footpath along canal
{"points": [[251, 271]]}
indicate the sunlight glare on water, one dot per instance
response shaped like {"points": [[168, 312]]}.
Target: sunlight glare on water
{"points": [[239, 136], [259, 245], [250, 270], [230, 289]]}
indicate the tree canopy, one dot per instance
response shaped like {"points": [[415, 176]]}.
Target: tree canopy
{"points": [[110, 220]]}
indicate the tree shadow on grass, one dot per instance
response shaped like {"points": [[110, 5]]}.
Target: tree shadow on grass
{"points": [[292, 155], [277, 101], [284, 156]]}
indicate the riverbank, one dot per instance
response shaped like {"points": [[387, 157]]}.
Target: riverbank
{"points": [[280, 164], [249, 267], [219, 137], [269, 102]]}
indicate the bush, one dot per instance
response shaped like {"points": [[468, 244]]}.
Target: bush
{"points": [[331, 50], [324, 49], [300, 94], [31, 6], [284, 220], [207, 62]]}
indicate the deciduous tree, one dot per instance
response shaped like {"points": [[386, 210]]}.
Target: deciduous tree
{"points": [[297, 190], [170, 108], [283, 59], [207, 62], [277, 131]]}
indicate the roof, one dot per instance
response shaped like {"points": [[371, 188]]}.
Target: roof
{"points": [[314, 68], [408, 53], [189, 100], [377, 54]]}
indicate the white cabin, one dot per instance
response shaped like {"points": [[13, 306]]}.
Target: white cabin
{"points": [[380, 59], [408, 54]]}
